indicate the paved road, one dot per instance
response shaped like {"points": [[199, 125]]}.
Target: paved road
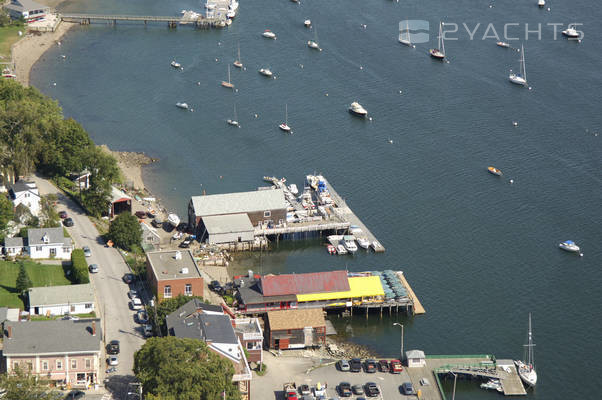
{"points": [[111, 293]]}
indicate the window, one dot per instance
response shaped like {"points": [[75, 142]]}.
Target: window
{"points": [[74, 364], [15, 364], [88, 306], [52, 251], [88, 363], [38, 248], [59, 364], [167, 291], [44, 365], [188, 290], [267, 214], [29, 365], [66, 249]]}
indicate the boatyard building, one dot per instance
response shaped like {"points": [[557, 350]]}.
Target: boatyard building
{"points": [[173, 273], [296, 329]]}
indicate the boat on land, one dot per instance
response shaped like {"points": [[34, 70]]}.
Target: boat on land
{"points": [[183, 106], [521, 77], [176, 64], [265, 72], [284, 126], [357, 109], [571, 32], [526, 368], [173, 219], [570, 246], [237, 63], [494, 171], [268, 34], [228, 84], [439, 52], [233, 122], [503, 44]]}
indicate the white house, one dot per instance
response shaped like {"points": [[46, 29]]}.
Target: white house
{"points": [[61, 300], [13, 246], [28, 9], [416, 358], [26, 193], [48, 243]]}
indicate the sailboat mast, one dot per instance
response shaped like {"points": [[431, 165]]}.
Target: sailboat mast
{"points": [[238, 52], [228, 73], [408, 31], [286, 114], [524, 67], [442, 45]]}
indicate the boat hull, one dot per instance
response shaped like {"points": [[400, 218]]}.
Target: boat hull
{"points": [[358, 113], [228, 85], [284, 127], [494, 171], [437, 54], [237, 64], [517, 80], [571, 248], [405, 42]]}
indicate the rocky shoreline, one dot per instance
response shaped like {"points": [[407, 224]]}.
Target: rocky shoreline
{"points": [[130, 164]]}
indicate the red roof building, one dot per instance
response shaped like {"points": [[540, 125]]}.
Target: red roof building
{"points": [[314, 282]]}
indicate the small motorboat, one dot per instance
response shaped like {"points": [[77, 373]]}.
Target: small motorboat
{"points": [[268, 34], [176, 64], [541, 3], [183, 106], [265, 72], [331, 249], [232, 122], [350, 245], [571, 32], [313, 45], [293, 189], [363, 242], [492, 384], [494, 171], [341, 249], [231, 14], [307, 23], [357, 109], [569, 246], [503, 44], [173, 219], [210, 6], [377, 246]]}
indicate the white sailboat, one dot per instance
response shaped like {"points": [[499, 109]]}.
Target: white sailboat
{"points": [[439, 52], [285, 126], [526, 369], [228, 84], [313, 44], [521, 77], [406, 40], [234, 122], [237, 63]]}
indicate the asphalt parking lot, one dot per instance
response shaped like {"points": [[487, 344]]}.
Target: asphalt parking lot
{"points": [[285, 369]]}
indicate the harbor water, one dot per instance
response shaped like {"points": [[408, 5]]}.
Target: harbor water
{"points": [[480, 251]]}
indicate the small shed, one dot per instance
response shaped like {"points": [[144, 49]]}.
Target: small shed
{"points": [[228, 229], [120, 202], [416, 358], [296, 329]]}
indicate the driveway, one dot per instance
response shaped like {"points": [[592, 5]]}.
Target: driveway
{"points": [[111, 293]]}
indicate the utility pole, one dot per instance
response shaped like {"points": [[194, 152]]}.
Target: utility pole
{"points": [[400, 325]]}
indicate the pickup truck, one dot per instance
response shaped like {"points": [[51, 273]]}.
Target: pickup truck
{"points": [[290, 391]]}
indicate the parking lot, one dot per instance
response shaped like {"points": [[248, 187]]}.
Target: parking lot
{"points": [[293, 369]]}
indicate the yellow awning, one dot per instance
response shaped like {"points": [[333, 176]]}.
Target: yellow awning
{"points": [[360, 286]]}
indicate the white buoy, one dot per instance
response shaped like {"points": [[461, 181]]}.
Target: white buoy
{"points": [[219, 43], [256, 116], [390, 141], [580, 254], [198, 83], [236, 90], [274, 76], [244, 69], [361, 67], [216, 60], [370, 118], [514, 123], [511, 181], [400, 92], [326, 94], [530, 88], [53, 83], [301, 65]]}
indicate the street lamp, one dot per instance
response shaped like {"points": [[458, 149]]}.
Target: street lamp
{"points": [[400, 325]]}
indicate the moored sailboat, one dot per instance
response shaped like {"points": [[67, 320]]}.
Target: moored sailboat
{"points": [[285, 126], [228, 84], [439, 52], [521, 77], [237, 63], [526, 368]]}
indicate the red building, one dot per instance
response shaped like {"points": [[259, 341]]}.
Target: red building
{"points": [[171, 273]]}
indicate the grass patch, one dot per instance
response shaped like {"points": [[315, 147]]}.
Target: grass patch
{"points": [[8, 36], [40, 275], [52, 317]]}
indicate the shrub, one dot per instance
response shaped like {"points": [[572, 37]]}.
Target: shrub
{"points": [[79, 267]]}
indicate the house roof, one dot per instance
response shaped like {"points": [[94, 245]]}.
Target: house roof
{"points": [[251, 294], [217, 224], [313, 282], [67, 294], [148, 228], [167, 266], [21, 186], [118, 195], [241, 202], [27, 5], [359, 286], [188, 309], [296, 319], [214, 328], [55, 236], [415, 354], [51, 337], [13, 242]]}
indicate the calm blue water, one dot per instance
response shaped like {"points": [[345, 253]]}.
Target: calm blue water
{"points": [[480, 252]]}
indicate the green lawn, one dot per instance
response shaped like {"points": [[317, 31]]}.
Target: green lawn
{"points": [[40, 275], [8, 36]]}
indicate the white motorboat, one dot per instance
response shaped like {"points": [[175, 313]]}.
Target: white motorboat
{"points": [[492, 384], [363, 242], [439, 52], [268, 34], [237, 63], [569, 246], [183, 106], [307, 23], [284, 126], [349, 242], [173, 219], [233, 5], [503, 44], [230, 14], [521, 77], [293, 189], [341, 249], [377, 246], [176, 64], [313, 44], [228, 84], [405, 39], [571, 32], [526, 369], [357, 109], [233, 122], [541, 3], [265, 72]]}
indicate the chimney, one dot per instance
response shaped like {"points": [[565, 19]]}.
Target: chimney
{"points": [[9, 331], [93, 328]]}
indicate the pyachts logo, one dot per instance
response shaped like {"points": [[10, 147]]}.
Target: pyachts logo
{"points": [[414, 30]]}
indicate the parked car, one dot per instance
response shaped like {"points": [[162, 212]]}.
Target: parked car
{"points": [[113, 347], [93, 268], [370, 366], [68, 222], [142, 317], [140, 214], [70, 318], [355, 365], [148, 330], [345, 389], [357, 389], [76, 395], [343, 365], [383, 366], [129, 278], [63, 215], [406, 388], [132, 293], [372, 389], [136, 303], [87, 251], [304, 389], [396, 367], [113, 361], [217, 288]]}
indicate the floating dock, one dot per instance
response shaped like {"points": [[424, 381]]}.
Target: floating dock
{"points": [[172, 21]]}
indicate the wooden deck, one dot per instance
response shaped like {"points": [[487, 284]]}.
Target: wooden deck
{"points": [[172, 21], [418, 309]]}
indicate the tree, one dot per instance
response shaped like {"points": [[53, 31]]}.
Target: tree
{"points": [[24, 386], [173, 368], [125, 231], [79, 267], [6, 211], [23, 281], [49, 217], [168, 306]]}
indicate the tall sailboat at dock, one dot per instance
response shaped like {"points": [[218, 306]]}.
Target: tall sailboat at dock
{"points": [[526, 368]]}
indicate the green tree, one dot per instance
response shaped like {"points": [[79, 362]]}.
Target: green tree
{"points": [[24, 386], [23, 281], [79, 267], [172, 368], [6, 211], [125, 231], [49, 217], [168, 306]]}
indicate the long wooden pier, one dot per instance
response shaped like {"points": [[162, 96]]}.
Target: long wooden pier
{"points": [[172, 21]]}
